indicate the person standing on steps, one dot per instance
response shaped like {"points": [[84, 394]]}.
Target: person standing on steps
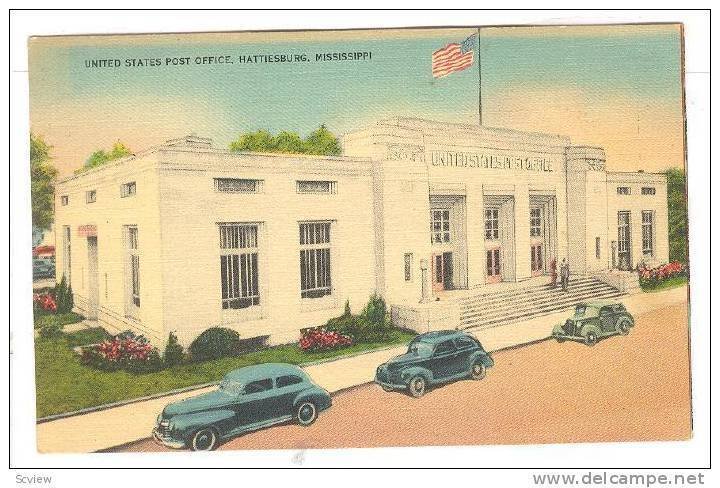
{"points": [[564, 274], [553, 273]]}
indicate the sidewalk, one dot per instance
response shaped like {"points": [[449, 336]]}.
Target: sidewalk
{"points": [[119, 425]]}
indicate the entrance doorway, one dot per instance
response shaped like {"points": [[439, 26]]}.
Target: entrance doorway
{"points": [[624, 241], [536, 259], [93, 285], [442, 271], [493, 266]]}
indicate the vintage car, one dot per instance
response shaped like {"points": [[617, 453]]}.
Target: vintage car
{"points": [[43, 268], [594, 320], [433, 358], [247, 399]]}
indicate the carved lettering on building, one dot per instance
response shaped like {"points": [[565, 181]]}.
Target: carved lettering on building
{"points": [[457, 159], [398, 152]]}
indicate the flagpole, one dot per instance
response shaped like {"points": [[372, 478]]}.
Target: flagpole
{"points": [[479, 80]]}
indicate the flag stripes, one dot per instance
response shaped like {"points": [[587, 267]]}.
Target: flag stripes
{"points": [[450, 59]]}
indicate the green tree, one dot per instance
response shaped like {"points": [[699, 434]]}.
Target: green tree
{"points": [[322, 141], [258, 141], [677, 215], [100, 157], [42, 183]]}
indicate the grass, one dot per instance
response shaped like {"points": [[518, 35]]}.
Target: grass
{"points": [[673, 282], [46, 320], [64, 384]]}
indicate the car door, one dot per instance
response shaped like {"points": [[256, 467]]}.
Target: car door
{"points": [[287, 389], [466, 347], [607, 320], [444, 361], [256, 403]]}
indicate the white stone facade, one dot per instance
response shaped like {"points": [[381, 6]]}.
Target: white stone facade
{"points": [[185, 236]]}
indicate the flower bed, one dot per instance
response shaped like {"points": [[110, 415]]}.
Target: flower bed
{"points": [[44, 302], [651, 278], [125, 351], [321, 339]]}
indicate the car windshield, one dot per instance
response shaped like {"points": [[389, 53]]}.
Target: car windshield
{"points": [[420, 348], [230, 387], [580, 310]]}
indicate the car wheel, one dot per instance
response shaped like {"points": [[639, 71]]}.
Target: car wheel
{"points": [[416, 386], [591, 338], [306, 413], [204, 440], [386, 388], [624, 326], [478, 371]]}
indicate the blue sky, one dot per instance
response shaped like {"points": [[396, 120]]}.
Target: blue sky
{"points": [[79, 110]]}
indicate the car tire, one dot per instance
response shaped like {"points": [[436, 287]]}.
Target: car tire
{"points": [[417, 386], [478, 370], [306, 413], [591, 339], [623, 326], [204, 440]]}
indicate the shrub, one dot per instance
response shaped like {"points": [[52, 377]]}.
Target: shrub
{"points": [[126, 351], [651, 277], [173, 351], [59, 319], [375, 310], [321, 339], [44, 303], [84, 337], [63, 296], [214, 343], [51, 331]]}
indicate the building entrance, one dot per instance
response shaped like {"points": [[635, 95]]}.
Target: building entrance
{"points": [[442, 271]]}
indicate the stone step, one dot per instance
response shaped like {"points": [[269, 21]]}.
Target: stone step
{"points": [[534, 294], [521, 314], [488, 292]]}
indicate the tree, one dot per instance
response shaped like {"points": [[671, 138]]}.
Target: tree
{"points": [[677, 215], [100, 157], [42, 183], [321, 141]]}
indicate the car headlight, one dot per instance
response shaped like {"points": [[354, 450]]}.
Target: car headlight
{"points": [[166, 424]]}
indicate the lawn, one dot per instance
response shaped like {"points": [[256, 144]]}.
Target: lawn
{"points": [[64, 384], [673, 282]]}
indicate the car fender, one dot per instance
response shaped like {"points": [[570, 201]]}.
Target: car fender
{"points": [[408, 373], [186, 424], [587, 328], [558, 329], [483, 357], [626, 316], [318, 396]]}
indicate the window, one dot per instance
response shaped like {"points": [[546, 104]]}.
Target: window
{"points": [[624, 238], [319, 187], [315, 276], [408, 266], [535, 222], [90, 196], [623, 190], [238, 185], [66, 253], [128, 189], [440, 226], [464, 343], [64, 200], [647, 190], [444, 348], [647, 233], [597, 248], [258, 386], [239, 265], [491, 224], [133, 269], [288, 380]]}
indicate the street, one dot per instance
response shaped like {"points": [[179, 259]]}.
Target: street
{"points": [[634, 388]]}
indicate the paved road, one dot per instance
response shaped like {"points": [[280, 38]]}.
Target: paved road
{"points": [[634, 388]]}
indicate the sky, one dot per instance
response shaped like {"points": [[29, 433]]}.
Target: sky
{"points": [[618, 87]]}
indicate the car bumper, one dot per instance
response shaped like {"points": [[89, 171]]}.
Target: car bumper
{"points": [[167, 441], [388, 384], [567, 337]]}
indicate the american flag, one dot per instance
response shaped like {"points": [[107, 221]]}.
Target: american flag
{"points": [[453, 57]]}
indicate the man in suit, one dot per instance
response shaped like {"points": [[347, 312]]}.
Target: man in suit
{"points": [[564, 274]]}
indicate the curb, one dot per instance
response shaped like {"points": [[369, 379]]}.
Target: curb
{"points": [[155, 396]]}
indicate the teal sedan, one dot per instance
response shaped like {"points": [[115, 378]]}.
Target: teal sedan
{"points": [[247, 399]]}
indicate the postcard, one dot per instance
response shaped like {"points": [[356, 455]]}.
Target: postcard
{"points": [[359, 238]]}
